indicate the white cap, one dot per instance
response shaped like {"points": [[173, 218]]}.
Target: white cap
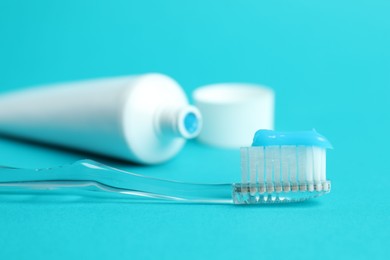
{"points": [[233, 112]]}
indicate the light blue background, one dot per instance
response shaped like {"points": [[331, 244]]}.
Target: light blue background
{"points": [[329, 63]]}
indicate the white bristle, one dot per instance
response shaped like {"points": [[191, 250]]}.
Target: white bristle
{"points": [[309, 164], [291, 156], [309, 167], [285, 154], [302, 158], [284, 167], [270, 165], [277, 167], [260, 165], [323, 165], [317, 164], [253, 163], [244, 164]]}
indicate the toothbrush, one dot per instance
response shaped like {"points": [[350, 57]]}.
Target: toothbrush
{"points": [[278, 168]]}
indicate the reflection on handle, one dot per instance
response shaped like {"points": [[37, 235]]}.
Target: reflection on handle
{"points": [[94, 180]]}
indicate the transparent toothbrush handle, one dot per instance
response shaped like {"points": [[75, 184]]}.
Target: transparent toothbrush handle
{"points": [[90, 179]]}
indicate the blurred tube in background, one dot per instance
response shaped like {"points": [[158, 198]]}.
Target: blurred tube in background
{"points": [[144, 119]]}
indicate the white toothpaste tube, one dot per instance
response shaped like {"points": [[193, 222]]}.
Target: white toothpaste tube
{"points": [[144, 119]]}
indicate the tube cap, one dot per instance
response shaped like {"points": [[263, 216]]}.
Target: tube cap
{"points": [[233, 112]]}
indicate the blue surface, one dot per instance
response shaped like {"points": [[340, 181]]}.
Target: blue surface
{"points": [[329, 63]]}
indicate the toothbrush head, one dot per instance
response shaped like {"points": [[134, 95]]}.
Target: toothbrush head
{"points": [[283, 167]]}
